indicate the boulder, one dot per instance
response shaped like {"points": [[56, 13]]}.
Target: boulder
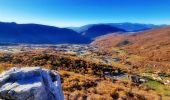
{"points": [[30, 83], [135, 78], [138, 79]]}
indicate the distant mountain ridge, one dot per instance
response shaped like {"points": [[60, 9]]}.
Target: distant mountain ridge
{"points": [[129, 27], [99, 30], [92, 31], [36, 33], [44, 34]]}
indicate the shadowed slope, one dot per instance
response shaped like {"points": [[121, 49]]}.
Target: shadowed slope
{"points": [[35, 33]]}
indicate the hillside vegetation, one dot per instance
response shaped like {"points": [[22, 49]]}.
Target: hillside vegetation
{"points": [[150, 49], [84, 78]]}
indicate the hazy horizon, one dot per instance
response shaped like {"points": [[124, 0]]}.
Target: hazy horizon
{"points": [[66, 13], [83, 24]]}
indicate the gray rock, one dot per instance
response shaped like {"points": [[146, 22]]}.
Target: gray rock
{"points": [[30, 83], [138, 79]]}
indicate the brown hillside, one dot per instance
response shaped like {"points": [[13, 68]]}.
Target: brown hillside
{"points": [[153, 44]]}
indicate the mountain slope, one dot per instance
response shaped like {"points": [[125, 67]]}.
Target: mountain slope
{"points": [[99, 30], [35, 33], [147, 51], [154, 44]]}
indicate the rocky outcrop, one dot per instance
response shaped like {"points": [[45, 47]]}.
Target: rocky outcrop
{"points": [[30, 83]]}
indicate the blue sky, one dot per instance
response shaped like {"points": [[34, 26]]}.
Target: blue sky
{"points": [[79, 12]]}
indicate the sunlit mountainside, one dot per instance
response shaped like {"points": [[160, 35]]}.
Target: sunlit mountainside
{"points": [[151, 46]]}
